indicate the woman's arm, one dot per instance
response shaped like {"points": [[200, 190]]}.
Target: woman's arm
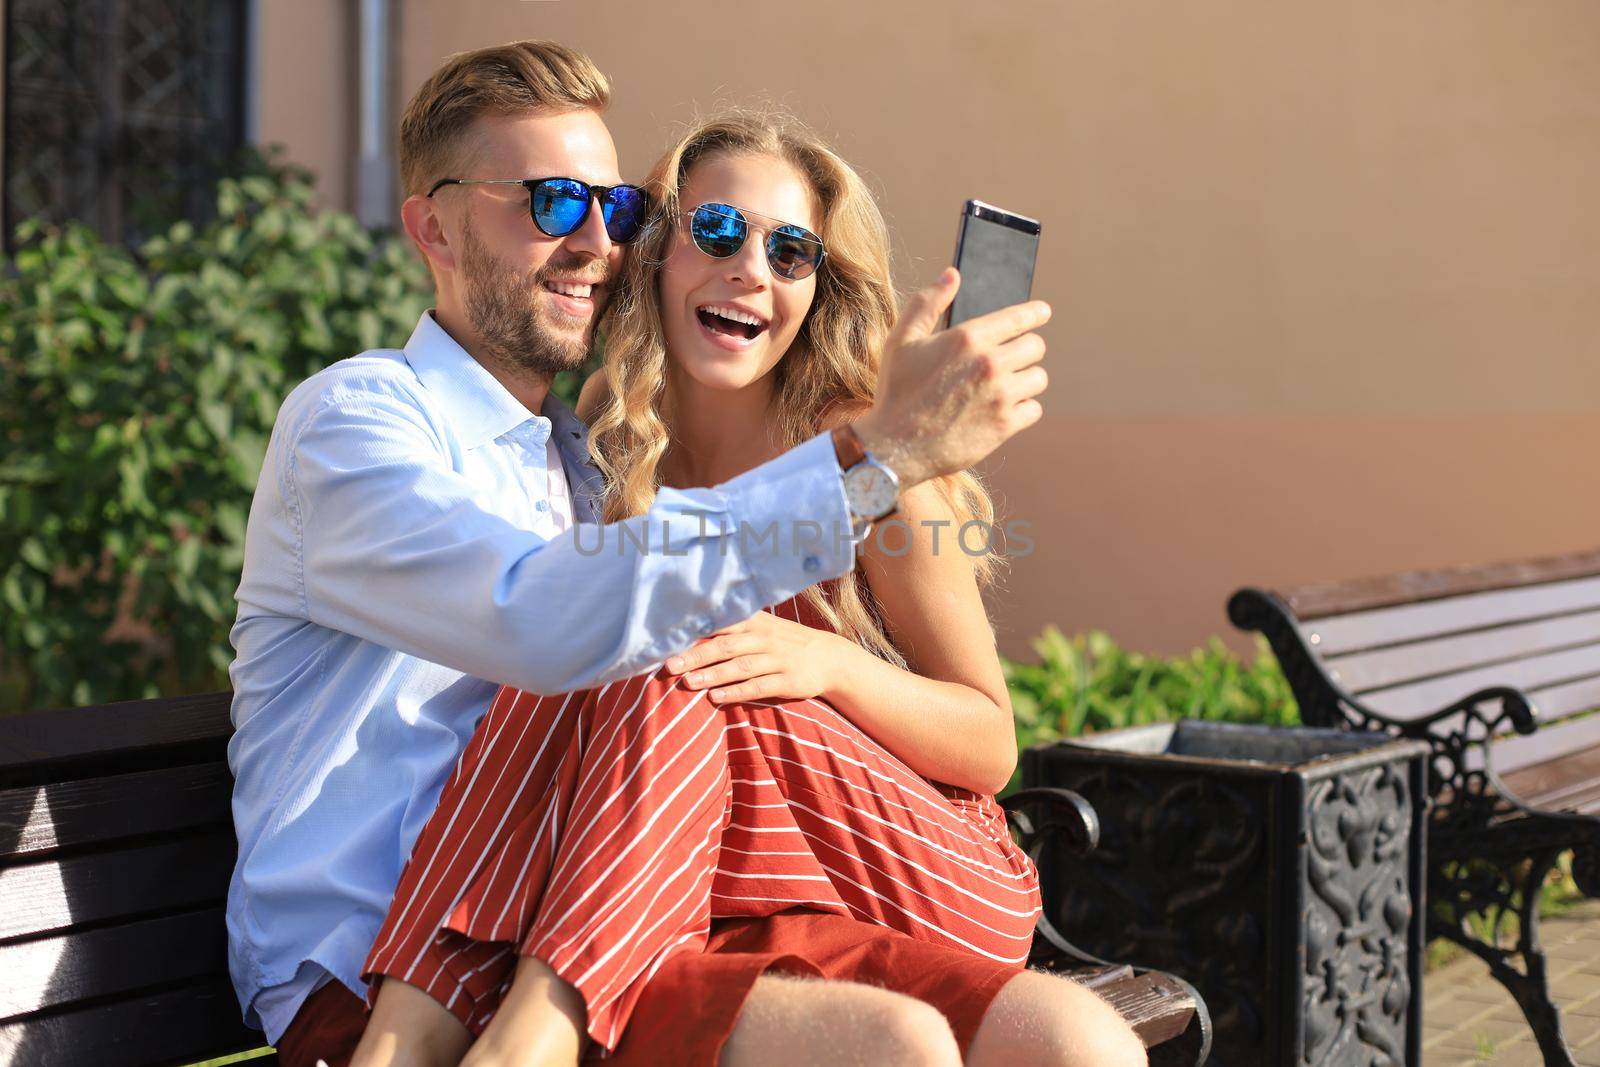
{"points": [[949, 716]]}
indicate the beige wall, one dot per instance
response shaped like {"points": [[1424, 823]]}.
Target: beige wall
{"points": [[1326, 277], [305, 97]]}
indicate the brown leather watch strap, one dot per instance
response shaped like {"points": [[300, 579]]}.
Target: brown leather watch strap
{"points": [[848, 447]]}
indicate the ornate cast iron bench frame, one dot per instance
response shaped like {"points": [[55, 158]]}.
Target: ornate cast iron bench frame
{"points": [[1514, 772]]}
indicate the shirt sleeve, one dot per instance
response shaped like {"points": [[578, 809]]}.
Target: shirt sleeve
{"points": [[398, 548]]}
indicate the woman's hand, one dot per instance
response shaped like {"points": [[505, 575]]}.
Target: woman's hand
{"points": [[765, 658]]}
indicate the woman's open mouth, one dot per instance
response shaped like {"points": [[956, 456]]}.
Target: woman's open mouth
{"points": [[730, 327]]}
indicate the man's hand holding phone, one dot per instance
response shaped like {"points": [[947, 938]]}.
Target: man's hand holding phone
{"points": [[948, 398]]}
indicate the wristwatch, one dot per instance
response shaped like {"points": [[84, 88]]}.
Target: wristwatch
{"points": [[871, 489]]}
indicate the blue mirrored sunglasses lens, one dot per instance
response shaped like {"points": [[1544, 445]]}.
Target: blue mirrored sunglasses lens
{"points": [[559, 205], [717, 229], [624, 213], [793, 252]]}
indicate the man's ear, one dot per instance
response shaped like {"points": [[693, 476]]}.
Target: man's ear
{"points": [[425, 226]]}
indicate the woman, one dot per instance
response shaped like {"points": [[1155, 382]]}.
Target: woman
{"points": [[809, 792]]}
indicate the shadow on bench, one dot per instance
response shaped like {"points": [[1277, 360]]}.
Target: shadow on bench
{"points": [[116, 849]]}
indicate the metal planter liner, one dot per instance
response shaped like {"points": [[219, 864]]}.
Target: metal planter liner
{"points": [[1279, 870]]}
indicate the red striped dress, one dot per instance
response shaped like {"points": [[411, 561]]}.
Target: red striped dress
{"points": [[604, 831]]}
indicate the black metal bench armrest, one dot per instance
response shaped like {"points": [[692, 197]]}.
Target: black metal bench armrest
{"points": [[1323, 702], [1515, 709], [1074, 819], [1070, 815]]}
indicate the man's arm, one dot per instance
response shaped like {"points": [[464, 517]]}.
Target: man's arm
{"points": [[402, 553], [399, 550]]}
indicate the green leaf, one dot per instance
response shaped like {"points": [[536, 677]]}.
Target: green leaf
{"points": [[34, 555]]}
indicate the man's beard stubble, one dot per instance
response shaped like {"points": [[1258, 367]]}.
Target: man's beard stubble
{"points": [[502, 307]]}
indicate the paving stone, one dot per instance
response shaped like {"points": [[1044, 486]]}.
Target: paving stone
{"points": [[1456, 1012], [1576, 986], [1520, 1055], [1498, 1032], [1580, 1029]]}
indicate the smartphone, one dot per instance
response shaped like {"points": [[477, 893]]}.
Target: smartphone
{"points": [[995, 253]]}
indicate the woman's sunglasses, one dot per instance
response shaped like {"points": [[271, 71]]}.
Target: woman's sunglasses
{"points": [[719, 231], [559, 205]]}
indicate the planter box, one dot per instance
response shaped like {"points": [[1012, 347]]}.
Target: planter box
{"points": [[1279, 870]]}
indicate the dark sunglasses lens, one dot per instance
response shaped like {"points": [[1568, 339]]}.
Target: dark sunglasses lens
{"points": [[717, 229], [559, 205], [624, 212], [793, 252]]}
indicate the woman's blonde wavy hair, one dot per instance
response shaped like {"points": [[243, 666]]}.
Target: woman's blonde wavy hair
{"points": [[829, 369]]}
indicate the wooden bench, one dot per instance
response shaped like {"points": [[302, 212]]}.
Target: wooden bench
{"points": [[1498, 669], [116, 849]]}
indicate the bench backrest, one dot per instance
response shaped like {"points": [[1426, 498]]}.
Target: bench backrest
{"points": [[1411, 644], [116, 848]]}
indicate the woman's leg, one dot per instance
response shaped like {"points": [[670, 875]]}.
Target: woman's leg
{"points": [[409, 1028], [800, 1022], [1054, 1022], [600, 831], [817, 802], [578, 830]]}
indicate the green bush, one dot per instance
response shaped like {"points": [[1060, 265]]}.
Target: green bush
{"points": [[137, 392], [1086, 684]]}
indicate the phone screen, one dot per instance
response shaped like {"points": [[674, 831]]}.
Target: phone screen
{"points": [[995, 254]]}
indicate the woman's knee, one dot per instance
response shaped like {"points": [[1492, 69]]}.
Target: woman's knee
{"points": [[909, 1031], [806, 1020], [1046, 1019]]}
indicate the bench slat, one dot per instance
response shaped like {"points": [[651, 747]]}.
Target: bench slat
{"points": [[1567, 783], [115, 961], [35, 819], [1438, 618], [37, 747], [1545, 744], [1157, 1008], [1360, 671], [181, 1025], [1537, 672], [1365, 594], [51, 895]]}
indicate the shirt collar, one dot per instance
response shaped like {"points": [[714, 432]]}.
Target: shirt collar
{"points": [[571, 438], [477, 405]]}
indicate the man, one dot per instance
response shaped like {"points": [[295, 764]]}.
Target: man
{"points": [[412, 542]]}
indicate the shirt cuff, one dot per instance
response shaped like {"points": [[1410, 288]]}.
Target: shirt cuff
{"points": [[797, 504]]}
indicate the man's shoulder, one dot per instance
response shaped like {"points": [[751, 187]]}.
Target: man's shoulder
{"points": [[377, 387], [380, 372]]}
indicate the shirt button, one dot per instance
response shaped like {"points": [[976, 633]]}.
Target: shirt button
{"points": [[542, 506], [811, 564]]}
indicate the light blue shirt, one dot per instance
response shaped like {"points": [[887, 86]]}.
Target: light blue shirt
{"points": [[399, 566]]}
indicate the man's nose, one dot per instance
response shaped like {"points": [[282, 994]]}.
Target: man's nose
{"points": [[591, 238]]}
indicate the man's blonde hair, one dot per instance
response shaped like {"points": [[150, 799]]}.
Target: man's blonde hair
{"points": [[523, 77]]}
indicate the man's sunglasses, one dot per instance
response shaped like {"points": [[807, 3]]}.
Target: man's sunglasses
{"points": [[719, 231], [559, 205]]}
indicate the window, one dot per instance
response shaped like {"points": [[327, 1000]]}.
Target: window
{"points": [[121, 113]]}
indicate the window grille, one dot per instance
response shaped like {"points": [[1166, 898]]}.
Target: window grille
{"points": [[121, 113]]}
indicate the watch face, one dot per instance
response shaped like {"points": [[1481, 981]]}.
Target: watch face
{"points": [[871, 491]]}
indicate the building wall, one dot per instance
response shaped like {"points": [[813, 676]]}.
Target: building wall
{"points": [[1326, 277]]}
